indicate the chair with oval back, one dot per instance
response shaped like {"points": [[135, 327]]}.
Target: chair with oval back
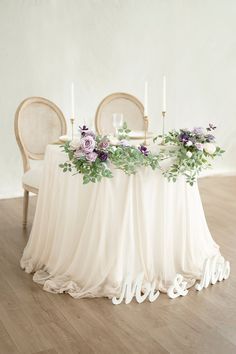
{"points": [[120, 102], [38, 122]]}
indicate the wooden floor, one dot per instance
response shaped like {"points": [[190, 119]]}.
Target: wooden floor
{"points": [[34, 321]]}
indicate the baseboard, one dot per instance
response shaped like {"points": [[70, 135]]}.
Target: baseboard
{"points": [[13, 196], [220, 173]]}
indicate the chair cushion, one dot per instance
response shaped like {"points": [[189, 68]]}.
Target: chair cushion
{"points": [[33, 177]]}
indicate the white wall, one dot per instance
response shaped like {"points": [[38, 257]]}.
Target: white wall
{"points": [[112, 45]]}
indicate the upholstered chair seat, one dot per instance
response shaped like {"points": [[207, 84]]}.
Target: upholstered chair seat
{"points": [[32, 177]]}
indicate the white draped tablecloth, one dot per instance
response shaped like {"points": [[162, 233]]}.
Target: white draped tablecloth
{"points": [[86, 239]]}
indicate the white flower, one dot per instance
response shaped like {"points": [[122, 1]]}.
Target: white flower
{"points": [[64, 138], [189, 143], [158, 141], [189, 154], [78, 153], [124, 142], [113, 140], [209, 148], [75, 144]]}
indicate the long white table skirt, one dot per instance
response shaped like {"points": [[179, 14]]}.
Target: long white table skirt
{"points": [[86, 239]]}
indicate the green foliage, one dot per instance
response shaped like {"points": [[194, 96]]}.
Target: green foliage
{"points": [[126, 158], [188, 166], [129, 159], [91, 171], [187, 160], [123, 133]]}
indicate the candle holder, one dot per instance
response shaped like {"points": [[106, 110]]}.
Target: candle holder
{"points": [[72, 121], [146, 124], [163, 127]]}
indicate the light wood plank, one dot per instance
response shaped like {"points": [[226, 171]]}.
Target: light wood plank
{"points": [[33, 321]]}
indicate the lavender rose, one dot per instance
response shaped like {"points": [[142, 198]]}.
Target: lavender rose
{"points": [[90, 133], [210, 138], [91, 156], [199, 146], [198, 130], [104, 144], [87, 144]]}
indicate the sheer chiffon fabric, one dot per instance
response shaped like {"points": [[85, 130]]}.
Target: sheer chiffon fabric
{"points": [[86, 239]]}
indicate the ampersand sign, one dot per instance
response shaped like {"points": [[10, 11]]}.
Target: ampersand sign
{"points": [[178, 288]]}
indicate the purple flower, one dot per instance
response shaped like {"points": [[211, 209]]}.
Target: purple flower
{"points": [[104, 144], [198, 131], [211, 127], [87, 144], [78, 153], [209, 138], [90, 133], [91, 156], [143, 150], [184, 137], [102, 155], [199, 146], [85, 131]]}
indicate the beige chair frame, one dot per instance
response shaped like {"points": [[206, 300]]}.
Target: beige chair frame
{"points": [[110, 98], [27, 155]]}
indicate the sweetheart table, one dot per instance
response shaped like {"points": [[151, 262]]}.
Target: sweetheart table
{"points": [[86, 239]]}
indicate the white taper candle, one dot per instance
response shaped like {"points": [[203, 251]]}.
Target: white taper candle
{"points": [[72, 101], [146, 99], [164, 95]]}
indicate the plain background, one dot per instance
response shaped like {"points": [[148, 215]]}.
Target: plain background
{"points": [[106, 46]]}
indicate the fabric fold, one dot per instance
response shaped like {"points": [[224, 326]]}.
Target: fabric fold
{"points": [[86, 239]]}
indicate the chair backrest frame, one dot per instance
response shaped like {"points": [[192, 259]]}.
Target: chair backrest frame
{"points": [[110, 98], [27, 155]]}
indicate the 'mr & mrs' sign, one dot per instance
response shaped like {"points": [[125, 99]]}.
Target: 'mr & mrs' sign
{"points": [[214, 269]]}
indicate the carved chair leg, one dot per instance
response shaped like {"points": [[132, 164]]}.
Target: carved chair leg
{"points": [[25, 208]]}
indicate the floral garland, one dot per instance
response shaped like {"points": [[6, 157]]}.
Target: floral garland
{"points": [[195, 150], [92, 155]]}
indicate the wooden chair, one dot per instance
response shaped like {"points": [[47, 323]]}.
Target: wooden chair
{"points": [[120, 102], [38, 122]]}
